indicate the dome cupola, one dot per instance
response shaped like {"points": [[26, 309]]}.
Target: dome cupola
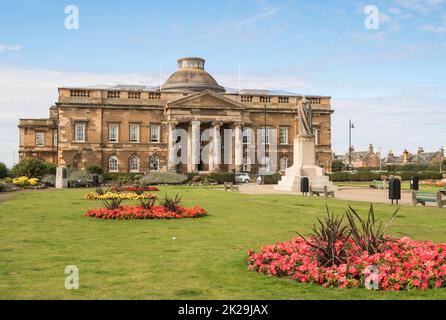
{"points": [[191, 77]]}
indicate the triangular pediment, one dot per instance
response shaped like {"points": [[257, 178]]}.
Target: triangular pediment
{"points": [[205, 100]]}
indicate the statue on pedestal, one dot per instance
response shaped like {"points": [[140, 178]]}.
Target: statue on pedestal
{"points": [[305, 118], [304, 157]]}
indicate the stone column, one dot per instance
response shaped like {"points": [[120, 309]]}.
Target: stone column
{"points": [[195, 145], [216, 148], [171, 126], [238, 160]]}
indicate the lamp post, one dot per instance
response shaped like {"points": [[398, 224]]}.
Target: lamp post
{"points": [[380, 162], [350, 127], [264, 133]]}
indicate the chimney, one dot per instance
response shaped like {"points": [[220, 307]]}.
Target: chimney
{"points": [[371, 148], [442, 151], [406, 156], [420, 150]]}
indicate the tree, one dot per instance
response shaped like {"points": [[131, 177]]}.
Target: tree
{"points": [[33, 168], [3, 170], [336, 165]]}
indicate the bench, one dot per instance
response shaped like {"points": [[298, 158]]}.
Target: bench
{"points": [[231, 186], [376, 184], [321, 191], [423, 197]]}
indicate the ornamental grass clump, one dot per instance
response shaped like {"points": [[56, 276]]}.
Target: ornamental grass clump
{"points": [[328, 240], [369, 234], [171, 204]]}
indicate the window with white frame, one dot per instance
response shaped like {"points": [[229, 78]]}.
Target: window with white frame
{"points": [[134, 164], [266, 139], [155, 133], [154, 163], [283, 135], [134, 132], [247, 135], [40, 139], [317, 136], [283, 164], [113, 165], [79, 132], [113, 132]]}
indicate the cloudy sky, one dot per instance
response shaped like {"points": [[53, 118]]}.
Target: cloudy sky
{"points": [[390, 80]]}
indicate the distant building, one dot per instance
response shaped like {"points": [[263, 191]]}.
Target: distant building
{"points": [[419, 158], [360, 159]]}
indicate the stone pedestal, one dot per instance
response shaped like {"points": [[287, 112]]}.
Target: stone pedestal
{"points": [[304, 165], [61, 178]]}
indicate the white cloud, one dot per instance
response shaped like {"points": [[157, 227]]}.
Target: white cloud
{"points": [[4, 48], [393, 123]]}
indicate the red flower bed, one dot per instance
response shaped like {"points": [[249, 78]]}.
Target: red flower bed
{"points": [[134, 189], [404, 265], [137, 212]]}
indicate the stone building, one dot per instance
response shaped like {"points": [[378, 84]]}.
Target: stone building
{"points": [[419, 158], [132, 128], [363, 159]]}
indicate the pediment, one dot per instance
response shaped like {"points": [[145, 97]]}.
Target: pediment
{"points": [[205, 100]]}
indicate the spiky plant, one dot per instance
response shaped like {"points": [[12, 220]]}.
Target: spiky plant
{"points": [[325, 236], [369, 234], [171, 204], [147, 203], [102, 190]]}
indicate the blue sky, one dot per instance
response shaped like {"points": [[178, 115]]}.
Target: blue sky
{"points": [[390, 81]]}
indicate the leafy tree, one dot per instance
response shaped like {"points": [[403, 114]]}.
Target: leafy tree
{"points": [[33, 168], [95, 170], [336, 165], [3, 170]]}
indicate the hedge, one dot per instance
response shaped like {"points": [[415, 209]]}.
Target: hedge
{"points": [[156, 178], [370, 176]]}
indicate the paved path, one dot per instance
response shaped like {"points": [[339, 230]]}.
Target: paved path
{"points": [[344, 193]]}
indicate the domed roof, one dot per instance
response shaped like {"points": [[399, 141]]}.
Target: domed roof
{"points": [[191, 77]]}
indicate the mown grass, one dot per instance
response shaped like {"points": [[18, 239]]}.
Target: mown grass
{"points": [[43, 232], [405, 185]]}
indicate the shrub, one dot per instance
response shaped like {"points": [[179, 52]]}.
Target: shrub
{"points": [[49, 180], [222, 177], [21, 181], [406, 175], [430, 175], [156, 178], [2, 187], [33, 167], [337, 165], [3, 171], [95, 170], [339, 176], [271, 178]]}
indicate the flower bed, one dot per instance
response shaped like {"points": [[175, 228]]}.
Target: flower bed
{"points": [[117, 196], [138, 212], [134, 189], [433, 183], [403, 265]]}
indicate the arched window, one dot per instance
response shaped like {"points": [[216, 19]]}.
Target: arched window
{"points": [[283, 163], [113, 164], [154, 164], [134, 164]]}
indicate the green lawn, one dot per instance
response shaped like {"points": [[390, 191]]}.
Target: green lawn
{"points": [[405, 185], [43, 232]]}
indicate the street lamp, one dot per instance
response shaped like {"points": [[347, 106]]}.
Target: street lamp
{"points": [[350, 127], [380, 162]]}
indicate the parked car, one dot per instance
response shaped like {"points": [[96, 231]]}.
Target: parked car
{"points": [[242, 178]]}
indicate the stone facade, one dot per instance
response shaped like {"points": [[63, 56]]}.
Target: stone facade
{"points": [[363, 159], [130, 128]]}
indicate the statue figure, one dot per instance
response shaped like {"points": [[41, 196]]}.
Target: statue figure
{"points": [[305, 118]]}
